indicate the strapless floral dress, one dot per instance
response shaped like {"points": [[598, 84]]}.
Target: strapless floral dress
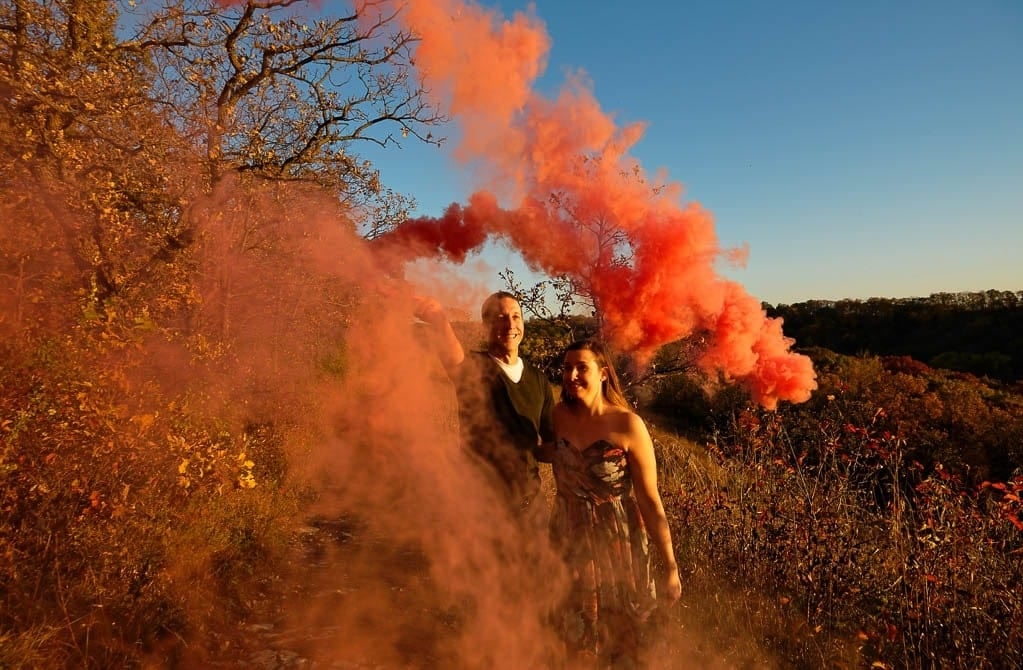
{"points": [[598, 529]]}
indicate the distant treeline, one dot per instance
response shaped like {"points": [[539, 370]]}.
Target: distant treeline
{"points": [[980, 333]]}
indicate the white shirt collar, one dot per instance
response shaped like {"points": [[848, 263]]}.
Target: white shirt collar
{"points": [[514, 371]]}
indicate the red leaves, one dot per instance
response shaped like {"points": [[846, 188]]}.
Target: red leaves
{"points": [[1006, 497]]}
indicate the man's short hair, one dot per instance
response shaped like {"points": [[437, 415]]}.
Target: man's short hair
{"points": [[490, 304]]}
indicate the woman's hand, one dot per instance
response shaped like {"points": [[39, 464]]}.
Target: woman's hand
{"points": [[672, 586]]}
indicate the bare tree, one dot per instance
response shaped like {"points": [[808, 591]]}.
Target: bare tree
{"points": [[569, 305], [264, 89]]}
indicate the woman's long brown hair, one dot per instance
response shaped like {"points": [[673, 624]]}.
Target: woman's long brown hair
{"points": [[611, 388]]}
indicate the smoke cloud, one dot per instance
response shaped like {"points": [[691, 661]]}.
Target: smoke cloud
{"points": [[438, 572], [579, 201]]}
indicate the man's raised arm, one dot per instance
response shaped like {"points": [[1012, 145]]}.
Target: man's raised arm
{"points": [[449, 349]]}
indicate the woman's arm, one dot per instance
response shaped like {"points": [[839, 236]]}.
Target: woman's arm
{"points": [[643, 468], [545, 450]]}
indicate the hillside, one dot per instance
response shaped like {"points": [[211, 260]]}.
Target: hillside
{"points": [[980, 333]]}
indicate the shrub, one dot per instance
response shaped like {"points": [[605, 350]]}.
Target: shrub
{"points": [[118, 505]]}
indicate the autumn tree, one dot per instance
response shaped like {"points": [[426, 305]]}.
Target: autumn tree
{"points": [[161, 170], [121, 121], [88, 188]]}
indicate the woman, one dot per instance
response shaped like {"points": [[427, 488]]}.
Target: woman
{"points": [[607, 503]]}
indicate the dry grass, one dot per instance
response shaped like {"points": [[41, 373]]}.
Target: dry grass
{"points": [[834, 555]]}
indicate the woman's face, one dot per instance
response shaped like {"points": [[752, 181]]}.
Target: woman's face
{"points": [[582, 376]]}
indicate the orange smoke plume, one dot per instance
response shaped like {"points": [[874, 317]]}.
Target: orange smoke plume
{"points": [[581, 203]]}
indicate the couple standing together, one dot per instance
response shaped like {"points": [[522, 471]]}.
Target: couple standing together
{"points": [[607, 507]]}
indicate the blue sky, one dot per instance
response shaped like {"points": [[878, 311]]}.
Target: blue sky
{"points": [[859, 148]]}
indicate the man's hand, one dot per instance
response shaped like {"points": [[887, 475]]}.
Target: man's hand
{"points": [[448, 348], [429, 310]]}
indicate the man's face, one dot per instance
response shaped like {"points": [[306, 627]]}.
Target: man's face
{"points": [[505, 327]]}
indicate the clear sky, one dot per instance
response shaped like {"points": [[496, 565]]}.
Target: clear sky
{"points": [[860, 149]]}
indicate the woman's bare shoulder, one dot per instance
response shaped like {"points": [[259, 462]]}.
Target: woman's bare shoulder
{"points": [[622, 418], [632, 423]]}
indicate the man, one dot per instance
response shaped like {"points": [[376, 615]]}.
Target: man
{"points": [[504, 403]]}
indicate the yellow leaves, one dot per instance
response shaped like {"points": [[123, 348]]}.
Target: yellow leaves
{"points": [[245, 478], [179, 443], [143, 421], [183, 480], [209, 463]]}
